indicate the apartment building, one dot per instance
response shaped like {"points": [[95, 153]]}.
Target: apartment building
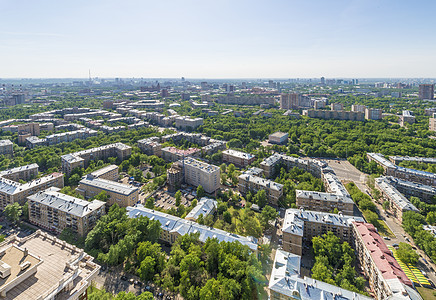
{"points": [[173, 227], [250, 183], [54, 211], [373, 114], [12, 191], [238, 158], [337, 106], [279, 138], [290, 101], [81, 159], [58, 138], [398, 204], [186, 122], [391, 169], [407, 117], [6, 147], [172, 154], [409, 189], [325, 202], [151, 146], [286, 282], [175, 177], [358, 107], [26, 173], [313, 166], [335, 114], [41, 266], [426, 91], [432, 123], [300, 225], [425, 160], [122, 194], [32, 128], [200, 173], [109, 173], [251, 99], [205, 207], [386, 278]]}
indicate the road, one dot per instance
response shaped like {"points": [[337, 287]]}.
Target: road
{"points": [[347, 172]]}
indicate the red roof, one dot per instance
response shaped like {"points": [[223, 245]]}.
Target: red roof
{"points": [[380, 253]]}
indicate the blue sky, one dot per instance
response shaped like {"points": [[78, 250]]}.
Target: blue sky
{"points": [[217, 39]]}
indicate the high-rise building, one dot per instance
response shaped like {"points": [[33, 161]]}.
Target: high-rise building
{"points": [[6, 147], [290, 101], [373, 114], [322, 80], [426, 91], [336, 106]]}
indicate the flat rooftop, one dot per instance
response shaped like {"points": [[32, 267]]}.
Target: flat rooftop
{"points": [[58, 267], [5, 142], [109, 185], [238, 154]]}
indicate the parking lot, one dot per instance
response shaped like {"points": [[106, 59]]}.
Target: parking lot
{"points": [[166, 200], [8, 229]]}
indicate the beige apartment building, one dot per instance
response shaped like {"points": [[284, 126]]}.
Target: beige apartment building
{"points": [[109, 173], [26, 173], [432, 123], [122, 194], [325, 202], [250, 183], [238, 158], [54, 211], [300, 225], [200, 173], [12, 191], [81, 159], [6, 147]]}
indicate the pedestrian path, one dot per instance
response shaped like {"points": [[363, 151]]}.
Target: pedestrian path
{"points": [[421, 278]]}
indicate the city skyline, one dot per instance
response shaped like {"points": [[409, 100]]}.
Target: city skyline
{"points": [[223, 39]]}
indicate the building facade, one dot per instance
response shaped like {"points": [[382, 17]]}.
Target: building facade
{"points": [[6, 147], [251, 183], [238, 158], [54, 211], [426, 91], [198, 173]]}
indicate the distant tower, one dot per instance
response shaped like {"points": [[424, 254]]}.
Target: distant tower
{"points": [[322, 80], [426, 91]]}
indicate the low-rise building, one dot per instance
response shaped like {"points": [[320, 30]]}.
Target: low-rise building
{"points": [[250, 183], [278, 137], [407, 117], [26, 173], [12, 191], [425, 160], [335, 114], [409, 189], [173, 227], [398, 204], [286, 282], [390, 169], [432, 123], [6, 147], [300, 225], [172, 154], [325, 202], [58, 138], [110, 173], [52, 210], [41, 266], [150, 146], [386, 278], [205, 207], [238, 158], [81, 159], [186, 122], [122, 194]]}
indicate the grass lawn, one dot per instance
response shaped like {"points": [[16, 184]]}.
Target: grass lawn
{"points": [[384, 229], [426, 293]]}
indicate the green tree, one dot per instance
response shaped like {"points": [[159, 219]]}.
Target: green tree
{"points": [[149, 203], [227, 217], [386, 205], [268, 214], [178, 197], [406, 254], [102, 196], [200, 192], [13, 212], [200, 219], [260, 198]]}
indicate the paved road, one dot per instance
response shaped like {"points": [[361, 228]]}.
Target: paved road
{"points": [[347, 172]]}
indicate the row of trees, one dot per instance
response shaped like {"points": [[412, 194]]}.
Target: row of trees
{"points": [[412, 224]]}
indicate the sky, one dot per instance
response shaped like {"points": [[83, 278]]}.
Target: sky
{"points": [[217, 39]]}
